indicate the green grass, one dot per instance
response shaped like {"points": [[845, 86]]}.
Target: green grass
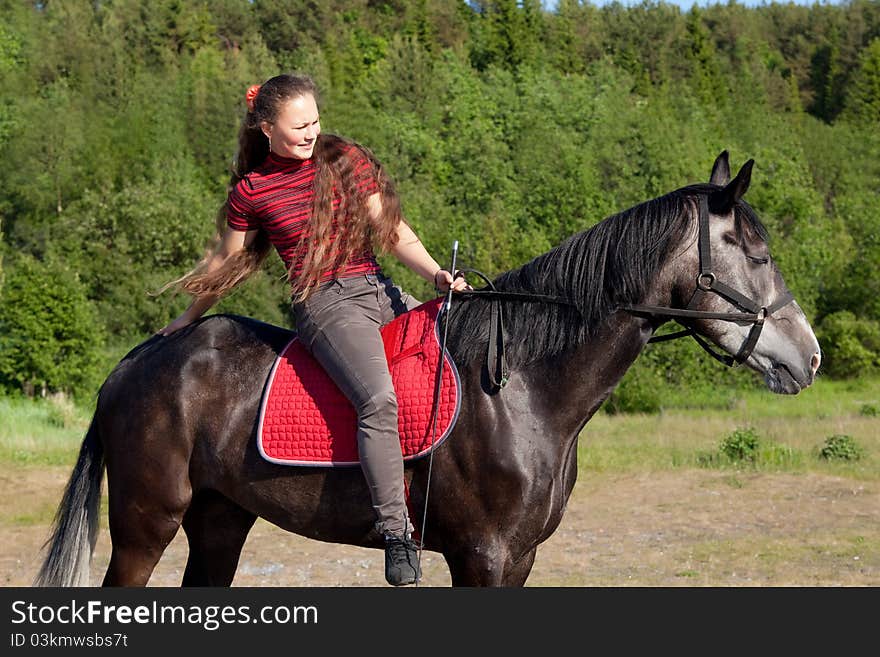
{"points": [[792, 429], [41, 431], [825, 398]]}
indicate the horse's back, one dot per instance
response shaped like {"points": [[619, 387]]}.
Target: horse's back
{"points": [[215, 335], [217, 363]]}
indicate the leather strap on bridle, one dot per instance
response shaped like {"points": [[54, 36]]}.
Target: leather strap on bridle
{"points": [[496, 365], [706, 282]]}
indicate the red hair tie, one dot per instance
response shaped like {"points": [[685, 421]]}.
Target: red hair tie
{"points": [[251, 95]]}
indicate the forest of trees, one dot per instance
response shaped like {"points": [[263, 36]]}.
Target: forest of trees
{"points": [[505, 126]]}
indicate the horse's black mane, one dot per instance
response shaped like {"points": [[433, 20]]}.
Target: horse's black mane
{"points": [[598, 270]]}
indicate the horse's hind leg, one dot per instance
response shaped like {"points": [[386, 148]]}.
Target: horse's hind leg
{"points": [[140, 530], [216, 529], [147, 501]]}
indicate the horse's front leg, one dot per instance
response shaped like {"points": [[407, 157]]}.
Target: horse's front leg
{"points": [[489, 563], [517, 572]]}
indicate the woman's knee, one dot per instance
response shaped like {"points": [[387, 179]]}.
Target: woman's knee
{"points": [[380, 400]]}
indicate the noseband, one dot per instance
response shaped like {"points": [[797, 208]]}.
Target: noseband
{"points": [[708, 283]]}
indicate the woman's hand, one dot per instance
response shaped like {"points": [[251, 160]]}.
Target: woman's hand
{"points": [[196, 309], [443, 280], [231, 243]]}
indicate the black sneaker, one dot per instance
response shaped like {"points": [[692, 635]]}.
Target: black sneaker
{"points": [[401, 560]]}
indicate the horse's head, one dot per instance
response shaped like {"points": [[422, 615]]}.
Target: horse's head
{"points": [[736, 275]]}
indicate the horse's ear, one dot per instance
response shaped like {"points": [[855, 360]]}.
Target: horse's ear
{"points": [[720, 170], [723, 200]]}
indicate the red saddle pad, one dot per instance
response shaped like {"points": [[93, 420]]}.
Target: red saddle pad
{"points": [[306, 420]]}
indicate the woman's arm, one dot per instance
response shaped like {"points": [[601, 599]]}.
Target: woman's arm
{"points": [[232, 242], [411, 252]]}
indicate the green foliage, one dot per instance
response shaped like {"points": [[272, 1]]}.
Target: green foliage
{"points": [[505, 126], [850, 345], [741, 445], [845, 162], [49, 331], [125, 244], [869, 410], [863, 101], [745, 446], [841, 447], [10, 50], [700, 52], [506, 33], [639, 392]]}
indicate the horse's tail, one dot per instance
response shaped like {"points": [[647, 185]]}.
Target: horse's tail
{"points": [[75, 528]]}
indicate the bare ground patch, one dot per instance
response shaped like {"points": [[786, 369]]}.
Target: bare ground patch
{"points": [[671, 528]]}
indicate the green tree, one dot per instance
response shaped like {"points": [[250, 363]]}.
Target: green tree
{"points": [[50, 334], [863, 97], [49, 147], [507, 33], [851, 346], [289, 25], [705, 75], [828, 79], [505, 126]]}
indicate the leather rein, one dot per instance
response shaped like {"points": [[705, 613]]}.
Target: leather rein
{"points": [[706, 282]]}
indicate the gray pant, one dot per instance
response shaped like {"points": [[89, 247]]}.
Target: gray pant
{"points": [[339, 324]]}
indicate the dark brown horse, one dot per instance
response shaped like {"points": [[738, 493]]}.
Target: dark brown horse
{"points": [[175, 420]]}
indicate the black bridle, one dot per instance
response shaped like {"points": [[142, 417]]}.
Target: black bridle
{"points": [[754, 313]]}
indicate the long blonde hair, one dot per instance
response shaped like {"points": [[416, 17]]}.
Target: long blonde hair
{"points": [[337, 161]]}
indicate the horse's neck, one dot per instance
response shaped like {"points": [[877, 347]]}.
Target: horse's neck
{"points": [[563, 393], [582, 379]]}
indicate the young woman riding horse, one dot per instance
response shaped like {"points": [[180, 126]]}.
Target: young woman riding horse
{"points": [[323, 202], [180, 450]]}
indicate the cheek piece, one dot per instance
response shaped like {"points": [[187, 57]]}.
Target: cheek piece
{"points": [[755, 313]]}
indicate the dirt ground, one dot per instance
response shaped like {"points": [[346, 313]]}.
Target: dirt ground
{"points": [[682, 528]]}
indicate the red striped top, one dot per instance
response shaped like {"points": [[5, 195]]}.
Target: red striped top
{"points": [[277, 197]]}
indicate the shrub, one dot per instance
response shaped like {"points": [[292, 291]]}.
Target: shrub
{"points": [[841, 447], [741, 445], [869, 410], [638, 392], [851, 345], [50, 335]]}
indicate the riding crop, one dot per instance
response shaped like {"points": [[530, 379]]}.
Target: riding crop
{"points": [[444, 313]]}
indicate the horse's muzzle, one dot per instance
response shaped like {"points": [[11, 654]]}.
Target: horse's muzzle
{"points": [[784, 379]]}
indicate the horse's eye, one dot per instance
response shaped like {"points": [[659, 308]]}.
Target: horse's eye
{"points": [[758, 260]]}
